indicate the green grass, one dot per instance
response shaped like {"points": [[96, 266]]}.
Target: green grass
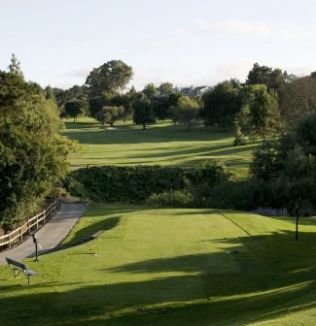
{"points": [[170, 267], [162, 144]]}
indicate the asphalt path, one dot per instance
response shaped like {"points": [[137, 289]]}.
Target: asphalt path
{"points": [[50, 235]]}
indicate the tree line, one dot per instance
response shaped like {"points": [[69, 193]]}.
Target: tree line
{"points": [[267, 103]]}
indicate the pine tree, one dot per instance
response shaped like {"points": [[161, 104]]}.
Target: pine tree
{"points": [[15, 66]]}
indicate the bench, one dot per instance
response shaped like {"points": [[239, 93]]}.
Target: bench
{"points": [[18, 267]]}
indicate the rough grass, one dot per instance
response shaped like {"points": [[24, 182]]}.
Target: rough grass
{"points": [[163, 144], [170, 267]]}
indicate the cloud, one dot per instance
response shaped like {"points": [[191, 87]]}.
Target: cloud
{"points": [[77, 73], [234, 27], [291, 34]]}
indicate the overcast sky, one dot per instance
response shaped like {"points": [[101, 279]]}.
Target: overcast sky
{"points": [[186, 42]]}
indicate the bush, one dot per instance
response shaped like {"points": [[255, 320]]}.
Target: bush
{"points": [[123, 184], [173, 198], [135, 184]]}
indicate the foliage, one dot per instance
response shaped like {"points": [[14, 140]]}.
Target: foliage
{"points": [[173, 198], [186, 111], [73, 109], [32, 153], [150, 90], [163, 105], [288, 167], [260, 114], [15, 66], [137, 183], [298, 99], [110, 114], [125, 184], [274, 79], [143, 112], [222, 104], [110, 77]]}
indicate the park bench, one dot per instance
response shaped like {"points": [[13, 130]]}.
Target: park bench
{"points": [[18, 267]]}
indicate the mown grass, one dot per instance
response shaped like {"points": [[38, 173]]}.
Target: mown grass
{"points": [[163, 144], [170, 267]]}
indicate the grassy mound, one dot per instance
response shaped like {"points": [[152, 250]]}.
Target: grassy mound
{"points": [[170, 267]]}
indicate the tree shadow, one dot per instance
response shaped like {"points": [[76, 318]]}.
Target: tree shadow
{"points": [[271, 279]]}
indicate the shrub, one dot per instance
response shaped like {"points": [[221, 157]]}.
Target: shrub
{"points": [[135, 184], [173, 198]]}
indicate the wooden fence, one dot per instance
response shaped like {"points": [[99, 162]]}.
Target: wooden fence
{"points": [[31, 225]]}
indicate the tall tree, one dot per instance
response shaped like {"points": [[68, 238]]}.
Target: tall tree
{"points": [[73, 109], [33, 155], [274, 79], [15, 66], [110, 77], [260, 116], [150, 90], [298, 99], [143, 112], [186, 111], [222, 104]]}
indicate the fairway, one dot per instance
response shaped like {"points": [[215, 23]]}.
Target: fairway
{"points": [[163, 144], [170, 267]]}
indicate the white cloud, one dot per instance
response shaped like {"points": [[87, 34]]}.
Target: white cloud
{"points": [[286, 33], [234, 27]]}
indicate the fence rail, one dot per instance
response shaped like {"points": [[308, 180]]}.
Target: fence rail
{"points": [[32, 224]]}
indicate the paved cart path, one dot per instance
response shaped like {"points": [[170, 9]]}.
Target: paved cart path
{"points": [[50, 235]]}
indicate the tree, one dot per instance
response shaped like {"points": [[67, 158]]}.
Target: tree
{"points": [[274, 79], [33, 155], [150, 90], [143, 112], [222, 104], [110, 114], [73, 109], [15, 66], [287, 168], [298, 99], [186, 111], [162, 105], [260, 115], [165, 89], [110, 77]]}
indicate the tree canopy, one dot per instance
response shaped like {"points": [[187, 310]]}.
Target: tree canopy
{"points": [[32, 152], [110, 77]]}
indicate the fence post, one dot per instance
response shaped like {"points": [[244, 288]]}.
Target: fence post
{"points": [[21, 234], [10, 244]]}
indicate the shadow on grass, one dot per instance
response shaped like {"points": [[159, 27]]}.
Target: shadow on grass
{"points": [[88, 133], [273, 280]]}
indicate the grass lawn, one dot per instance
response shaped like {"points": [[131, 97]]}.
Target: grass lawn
{"points": [[170, 267], [162, 144]]}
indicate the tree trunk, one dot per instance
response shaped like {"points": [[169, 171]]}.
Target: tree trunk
{"points": [[144, 126]]}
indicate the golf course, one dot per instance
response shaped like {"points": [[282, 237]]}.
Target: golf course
{"points": [[163, 144], [170, 267], [138, 265]]}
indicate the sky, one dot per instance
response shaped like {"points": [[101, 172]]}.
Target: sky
{"points": [[186, 42]]}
